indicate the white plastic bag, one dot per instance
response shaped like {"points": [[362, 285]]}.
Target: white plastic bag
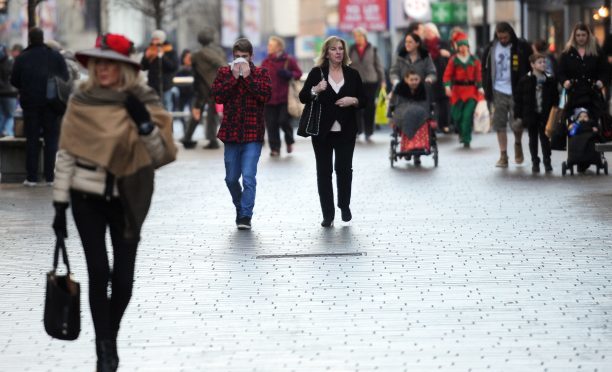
{"points": [[482, 118]]}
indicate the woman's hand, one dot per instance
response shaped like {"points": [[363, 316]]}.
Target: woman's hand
{"points": [[444, 53], [320, 87], [448, 92], [429, 80], [347, 101], [196, 113], [567, 84], [599, 84]]}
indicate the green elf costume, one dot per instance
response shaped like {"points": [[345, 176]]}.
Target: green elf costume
{"points": [[463, 84]]}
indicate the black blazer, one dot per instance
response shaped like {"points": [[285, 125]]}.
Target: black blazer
{"points": [[346, 116]]}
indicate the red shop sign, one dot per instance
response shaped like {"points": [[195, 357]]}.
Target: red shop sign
{"points": [[370, 14]]}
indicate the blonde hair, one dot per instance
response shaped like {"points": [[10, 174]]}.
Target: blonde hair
{"points": [[322, 58], [128, 76], [278, 40], [433, 28], [361, 31], [591, 47]]}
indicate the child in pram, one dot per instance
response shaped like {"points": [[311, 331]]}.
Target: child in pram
{"points": [[410, 110], [582, 135]]}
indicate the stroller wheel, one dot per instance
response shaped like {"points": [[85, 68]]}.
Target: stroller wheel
{"points": [[605, 167], [435, 156], [392, 157], [563, 168], [571, 169]]}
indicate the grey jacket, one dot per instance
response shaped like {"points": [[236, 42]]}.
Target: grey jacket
{"points": [[369, 67], [424, 66]]}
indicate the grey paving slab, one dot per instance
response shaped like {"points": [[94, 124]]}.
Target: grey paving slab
{"points": [[464, 267]]}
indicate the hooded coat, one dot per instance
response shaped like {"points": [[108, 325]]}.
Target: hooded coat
{"points": [[205, 63], [423, 65]]}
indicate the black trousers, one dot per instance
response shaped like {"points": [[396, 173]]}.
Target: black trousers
{"points": [[537, 131], [92, 214], [325, 149], [41, 122], [365, 116], [212, 122], [277, 117]]}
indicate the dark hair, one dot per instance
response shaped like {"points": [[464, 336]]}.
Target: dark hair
{"points": [[540, 45], [243, 45], [36, 36], [504, 27], [411, 71], [412, 28], [17, 47], [535, 56], [417, 39], [183, 54]]}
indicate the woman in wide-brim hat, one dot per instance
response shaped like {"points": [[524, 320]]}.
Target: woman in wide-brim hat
{"points": [[114, 134]]}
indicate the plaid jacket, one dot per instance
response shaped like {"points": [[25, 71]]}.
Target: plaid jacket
{"points": [[243, 104]]}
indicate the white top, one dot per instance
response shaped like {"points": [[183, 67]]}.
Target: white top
{"points": [[336, 87], [503, 64]]}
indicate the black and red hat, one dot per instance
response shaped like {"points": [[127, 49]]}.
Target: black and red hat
{"points": [[113, 47]]}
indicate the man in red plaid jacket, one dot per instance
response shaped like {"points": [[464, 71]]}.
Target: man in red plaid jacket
{"points": [[243, 89]]}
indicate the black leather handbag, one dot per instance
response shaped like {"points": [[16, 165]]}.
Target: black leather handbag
{"points": [[62, 300], [311, 117]]}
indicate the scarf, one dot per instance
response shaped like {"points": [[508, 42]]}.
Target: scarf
{"points": [[404, 90], [97, 127], [433, 47]]}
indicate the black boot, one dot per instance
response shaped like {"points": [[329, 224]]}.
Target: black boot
{"points": [[547, 166], [108, 361]]}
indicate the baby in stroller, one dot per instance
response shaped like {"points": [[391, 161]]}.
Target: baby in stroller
{"points": [[410, 110], [582, 136]]}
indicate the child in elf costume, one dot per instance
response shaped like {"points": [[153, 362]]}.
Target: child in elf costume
{"points": [[463, 84]]}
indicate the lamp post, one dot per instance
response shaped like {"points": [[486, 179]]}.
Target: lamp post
{"points": [[241, 18]]}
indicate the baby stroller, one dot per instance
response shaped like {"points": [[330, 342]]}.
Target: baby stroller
{"points": [[414, 132], [580, 146]]}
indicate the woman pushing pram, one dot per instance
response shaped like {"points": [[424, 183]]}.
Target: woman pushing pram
{"points": [[411, 113]]}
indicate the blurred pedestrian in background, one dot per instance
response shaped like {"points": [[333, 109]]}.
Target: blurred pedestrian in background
{"points": [[206, 62], [16, 50], [536, 94], [463, 84], [439, 53], [506, 60], [243, 89], [8, 94], [31, 70], [414, 56], [365, 59], [583, 71], [115, 132], [541, 47], [161, 61], [182, 93], [339, 89], [282, 68], [74, 71]]}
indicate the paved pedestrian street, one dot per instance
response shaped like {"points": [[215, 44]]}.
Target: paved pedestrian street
{"points": [[464, 267]]}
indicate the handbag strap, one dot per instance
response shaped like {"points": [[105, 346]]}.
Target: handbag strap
{"points": [[60, 245]]}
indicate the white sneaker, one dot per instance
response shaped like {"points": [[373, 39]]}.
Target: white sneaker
{"points": [[30, 183]]}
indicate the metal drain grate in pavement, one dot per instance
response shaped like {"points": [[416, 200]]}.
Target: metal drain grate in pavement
{"points": [[306, 255]]}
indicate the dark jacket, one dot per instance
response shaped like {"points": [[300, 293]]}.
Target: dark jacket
{"points": [[161, 70], [277, 66], [583, 74], [330, 112], [525, 104], [31, 70], [520, 52]]}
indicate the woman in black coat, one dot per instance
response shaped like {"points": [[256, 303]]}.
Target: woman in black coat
{"points": [[339, 89], [582, 70]]}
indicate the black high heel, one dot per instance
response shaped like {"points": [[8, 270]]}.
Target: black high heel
{"points": [[327, 222]]}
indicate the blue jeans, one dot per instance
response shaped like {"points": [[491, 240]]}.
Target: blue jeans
{"points": [[241, 160], [169, 100], [7, 109]]}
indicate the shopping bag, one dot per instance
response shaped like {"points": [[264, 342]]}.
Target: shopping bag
{"points": [[62, 317], [294, 106], [382, 106], [482, 117]]}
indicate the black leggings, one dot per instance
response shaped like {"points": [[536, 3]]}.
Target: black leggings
{"points": [[92, 214]]}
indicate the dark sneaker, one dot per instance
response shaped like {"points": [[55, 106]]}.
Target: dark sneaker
{"points": [[535, 168], [212, 145], [244, 223], [547, 167], [188, 145], [274, 153], [289, 148]]}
